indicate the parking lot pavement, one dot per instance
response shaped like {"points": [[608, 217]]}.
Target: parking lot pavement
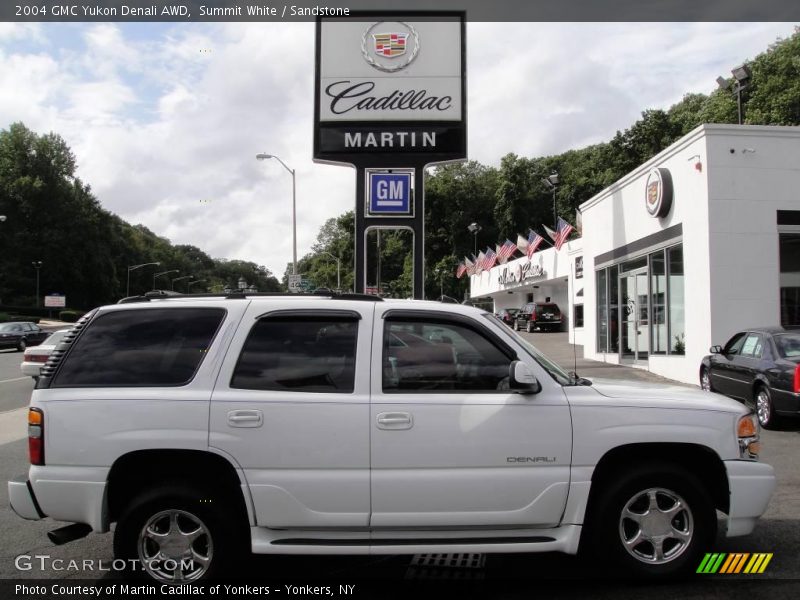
{"points": [[570, 358]]}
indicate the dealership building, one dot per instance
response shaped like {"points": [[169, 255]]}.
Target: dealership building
{"points": [[701, 241]]}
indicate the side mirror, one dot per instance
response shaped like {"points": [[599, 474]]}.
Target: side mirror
{"points": [[715, 349], [522, 380]]}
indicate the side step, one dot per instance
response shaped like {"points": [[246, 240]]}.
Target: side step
{"points": [[69, 533]]}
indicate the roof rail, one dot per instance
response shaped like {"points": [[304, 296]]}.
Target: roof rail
{"points": [[241, 294]]}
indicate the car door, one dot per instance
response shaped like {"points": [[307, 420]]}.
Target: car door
{"points": [[722, 369], [292, 410], [746, 366], [451, 445]]}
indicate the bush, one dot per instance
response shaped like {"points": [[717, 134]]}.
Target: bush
{"points": [[26, 318], [70, 316], [4, 317]]}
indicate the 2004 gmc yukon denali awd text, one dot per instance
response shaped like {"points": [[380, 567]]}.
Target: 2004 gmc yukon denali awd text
{"points": [[348, 424]]}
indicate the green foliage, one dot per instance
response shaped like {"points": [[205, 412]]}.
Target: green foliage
{"points": [[70, 316], [53, 217]]}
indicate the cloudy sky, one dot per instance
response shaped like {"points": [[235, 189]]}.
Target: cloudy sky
{"points": [[166, 119]]}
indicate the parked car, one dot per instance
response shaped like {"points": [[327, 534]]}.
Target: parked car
{"points": [[20, 335], [35, 357], [351, 424], [507, 315], [544, 316], [759, 367]]}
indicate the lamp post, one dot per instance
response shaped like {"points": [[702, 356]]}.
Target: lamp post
{"points": [[739, 81], [172, 285], [474, 228], [37, 264], [133, 268], [338, 270], [3, 218], [551, 182], [163, 273], [189, 284], [263, 156], [242, 284]]}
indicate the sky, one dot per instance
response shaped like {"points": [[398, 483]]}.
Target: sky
{"points": [[165, 119]]}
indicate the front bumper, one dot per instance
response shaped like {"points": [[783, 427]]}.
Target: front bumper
{"points": [[751, 485], [23, 500]]}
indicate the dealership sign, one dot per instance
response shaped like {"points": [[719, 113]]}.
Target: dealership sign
{"points": [[390, 87], [658, 192], [520, 273]]}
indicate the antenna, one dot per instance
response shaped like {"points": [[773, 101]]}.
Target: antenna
{"points": [[572, 320]]}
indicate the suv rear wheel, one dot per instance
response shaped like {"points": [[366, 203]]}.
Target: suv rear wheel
{"points": [[516, 325], [178, 535], [654, 521]]}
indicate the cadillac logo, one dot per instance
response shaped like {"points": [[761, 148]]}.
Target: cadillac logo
{"points": [[390, 46], [658, 192]]}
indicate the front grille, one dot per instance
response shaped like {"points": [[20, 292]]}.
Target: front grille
{"points": [[57, 355]]}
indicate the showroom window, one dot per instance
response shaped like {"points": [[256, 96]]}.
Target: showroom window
{"points": [[789, 244], [675, 294], [578, 315]]}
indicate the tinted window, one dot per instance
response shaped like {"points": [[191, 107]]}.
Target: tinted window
{"points": [[441, 356], [299, 354], [734, 344], [788, 345], [148, 347]]}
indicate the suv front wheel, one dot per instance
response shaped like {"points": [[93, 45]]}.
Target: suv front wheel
{"points": [[654, 522], [175, 535]]}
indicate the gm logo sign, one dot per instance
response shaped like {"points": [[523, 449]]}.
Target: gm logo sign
{"points": [[390, 193]]}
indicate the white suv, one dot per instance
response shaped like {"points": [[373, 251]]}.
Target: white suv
{"points": [[207, 425]]}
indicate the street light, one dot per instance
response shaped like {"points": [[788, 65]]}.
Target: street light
{"points": [[242, 284], [338, 269], [263, 156], [551, 182], [741, 77], [37, 264], [3, 218], [163, 273], [189, 284], [180, 279], [474, 228], [133, 268]]}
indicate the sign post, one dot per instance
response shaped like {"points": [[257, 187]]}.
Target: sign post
{"points": [[390, 100]]}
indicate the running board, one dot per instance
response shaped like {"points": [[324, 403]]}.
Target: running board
{"points": [[270, 541]]}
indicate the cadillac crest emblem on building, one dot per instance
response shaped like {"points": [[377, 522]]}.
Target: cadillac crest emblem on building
{"points": [[390, 46], [658, 192]]}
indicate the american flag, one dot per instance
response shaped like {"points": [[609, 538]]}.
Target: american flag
{"points": [[506, 251], [563, 229], [534, 240], [470, 264], [479, 262], [489, 259], [462, 268]]}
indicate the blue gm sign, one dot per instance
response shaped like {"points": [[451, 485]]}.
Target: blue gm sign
{"points": [[390, 193]]}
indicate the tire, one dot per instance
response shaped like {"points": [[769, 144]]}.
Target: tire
{"points": [[195, 525], [666, 508], [528, 327], [765, 411], [21, 346], [516, 325], [705, 380]]}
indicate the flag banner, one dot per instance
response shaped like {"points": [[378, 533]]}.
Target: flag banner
{"points": [[534, 241], [550, 232], [470, 265], [462, 268], [489, 259], [506, 251], [563, 230], [479, 262], [522, 243]]}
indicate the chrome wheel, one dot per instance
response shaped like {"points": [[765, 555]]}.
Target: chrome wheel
{"points": [[705, 381], [516, 325], [175, 546], [763, 407], [656, 526]]}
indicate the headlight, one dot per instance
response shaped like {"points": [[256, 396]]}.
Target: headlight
{"points": [[747, 433]]}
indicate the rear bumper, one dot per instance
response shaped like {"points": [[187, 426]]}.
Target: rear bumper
{"points": [[23, 500], [751, 485], [30, 368]]}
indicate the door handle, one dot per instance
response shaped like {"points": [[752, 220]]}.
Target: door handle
{"points": [[395, 420], [245, 418]]}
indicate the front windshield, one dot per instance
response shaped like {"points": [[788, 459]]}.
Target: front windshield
{"points": [[548, 365]]}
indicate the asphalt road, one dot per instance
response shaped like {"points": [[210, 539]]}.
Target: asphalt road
{"points": [[500, 576]]}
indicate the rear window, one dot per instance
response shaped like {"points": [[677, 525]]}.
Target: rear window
{"points": [[788, 345], [552, 309], [136, 348]]}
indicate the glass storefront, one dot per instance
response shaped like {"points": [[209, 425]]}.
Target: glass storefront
{"points": [[640, 306], [789, 244]]}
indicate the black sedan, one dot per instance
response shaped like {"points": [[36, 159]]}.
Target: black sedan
{"points": [[760, 367], [20, 335]]}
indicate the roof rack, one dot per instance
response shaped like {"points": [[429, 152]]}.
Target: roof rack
{"points": [[241, 294]]}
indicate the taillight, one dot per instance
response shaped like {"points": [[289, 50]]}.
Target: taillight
{"points": [[36, 436], [797, 379], [35, 358], [533, 316]]}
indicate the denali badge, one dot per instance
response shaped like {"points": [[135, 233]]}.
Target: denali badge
{"points": [[531, 459], [386, 45]]}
